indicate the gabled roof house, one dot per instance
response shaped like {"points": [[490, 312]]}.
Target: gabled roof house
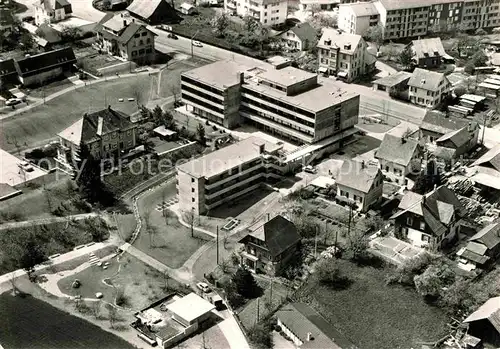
{"points": [[484, 323], [483, 247]]}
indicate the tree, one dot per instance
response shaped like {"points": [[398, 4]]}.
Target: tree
{"points": [[200, 132], [32, 255], [166, 277], [429, 178], [430, 284], [322, 20], [314, 9], [219, 24], [261, 335], [376, 35], [250, 25], [480, 32], [189, 217], [157, 115], [71, 33], [357, 244], [405, 58], [151, 230], [245, 283], [113, 314], [27, 42], [136, 91], [96, 308], [88, 177], [479, 59], [460, 90], [329, 274]]}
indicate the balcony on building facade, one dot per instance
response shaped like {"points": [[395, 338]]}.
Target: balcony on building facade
{"points": [[232, 174], [216, 200]]}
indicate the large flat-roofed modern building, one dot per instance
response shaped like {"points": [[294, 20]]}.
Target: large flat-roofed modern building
{"points": [[287, 102], [226, 174]]}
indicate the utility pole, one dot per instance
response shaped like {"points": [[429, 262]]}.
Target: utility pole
{"points": [[315, 240], [326, 230], [271, 292], [486, 116], [349, 223], [217, 239], [192, 223], [258, 310], [192, 46]]}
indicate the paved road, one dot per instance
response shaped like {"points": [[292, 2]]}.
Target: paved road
{"points": [[47, 220]]}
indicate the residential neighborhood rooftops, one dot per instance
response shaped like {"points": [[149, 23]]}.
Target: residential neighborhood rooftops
{"points": [[190, 307], [94, 125], [51, 5], [32, 64], [490, 159], [7, 67], [490, 310], [489, 236], [357, 175], [428, 47], [400, 5], [228, 158], [459, 137], [144, 8], [399, 150], [393, 79], [279, 234], [302, 320], [362, 9], [426, 79], [440, 123], [46, 32], [347, 43], [304, 31], [122, 30]]}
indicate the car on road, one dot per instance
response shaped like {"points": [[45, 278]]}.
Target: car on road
{"points": [[13, 101], [197, 43], [172, 36], [309, 169], [203, 287]]}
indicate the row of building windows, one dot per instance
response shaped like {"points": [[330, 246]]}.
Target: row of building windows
{"points": [[204, 104], [233, 191], [280, 103], [201, 94], [142, 52], [201, 85]]}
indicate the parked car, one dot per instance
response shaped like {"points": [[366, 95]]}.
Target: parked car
{"points": [[203, 287], [197, 43], [13, 101], [309, 169], [172, 36]]}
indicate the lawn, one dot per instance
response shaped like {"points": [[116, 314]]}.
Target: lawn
{"points": [[374, 127], [49, 88], [140, 284], [126, 225], [44, 122], [362, 145], [171, 75], [171, 243], [36, 203], [52, 238], [373, 314]]}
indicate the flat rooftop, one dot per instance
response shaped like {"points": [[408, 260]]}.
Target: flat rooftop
{"points": [[13, 173], [190, 307], [227, 158], [220, 74], [287, 76], [323, 96]]}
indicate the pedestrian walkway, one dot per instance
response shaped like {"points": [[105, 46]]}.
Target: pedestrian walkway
{"points": [[233, 334], [47, 220]]}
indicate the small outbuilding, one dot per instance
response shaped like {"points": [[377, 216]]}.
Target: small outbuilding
{"points": [[484, 323], [187, 9], [165, 134], [191, 309], [395, 84]]}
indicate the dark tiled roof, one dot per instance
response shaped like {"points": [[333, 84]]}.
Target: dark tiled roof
{"points": [[7, 67], [129, 32], [301, 319], [440, 123], [356, 175], [304, 31], [488, 236], [428, 48], [280, 234], [144, 8], [489, 310], [31, 65], [48, 33], [123, 36], [394, 149], [459, 137], [490, 159], [112, 120], [426, 79], [6, 18]]}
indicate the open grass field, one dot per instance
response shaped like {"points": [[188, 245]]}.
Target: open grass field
{"points": [[29, 323], [373, 314], [171, 243], [139, 283], [45, 121]]}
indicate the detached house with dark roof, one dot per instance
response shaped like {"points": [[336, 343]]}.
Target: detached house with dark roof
{"points": [[482, 248], [487, 170], [51, 11], [429, 53], [8, 72], [433, 218], [301, 37], [484, 323], [127, 39], [271, 246], [152, 11], [107, 133], [47, 66], [428, 88], [399, 156], [359, 184]]}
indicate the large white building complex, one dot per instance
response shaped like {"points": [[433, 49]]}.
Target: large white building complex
{"points": [[289, 103], [267, 12], [413, 18]]}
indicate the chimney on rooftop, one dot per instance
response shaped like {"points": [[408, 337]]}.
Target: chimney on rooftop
{"points": [[109, 107], [124, 22], [260, 147], [241, 77], [100, 122], [363, 164], [309, 336]]}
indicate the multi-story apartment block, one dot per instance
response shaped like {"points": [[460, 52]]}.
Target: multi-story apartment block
{"points": [[126, 39], [343, 55], [267, 12], [428, 88], [357, 18], [51, 11], [413, 18], [107, 134], [226, 174], [286, 102]]}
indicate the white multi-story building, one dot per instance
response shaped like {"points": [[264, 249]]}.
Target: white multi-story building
{"points": [[356, 18], [428, 88], [267, 12], [51, 11], [413, 18], [343, 55]]}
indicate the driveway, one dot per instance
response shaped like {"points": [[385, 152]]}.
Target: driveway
{"points": [[394, 250]]}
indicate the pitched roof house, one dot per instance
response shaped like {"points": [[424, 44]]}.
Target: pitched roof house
{"points": [[483, 247], [270, 246], [152, 11], [45, 66], [399, 156], [430, 218], [484, 323], [300, 37], [107, 133], [488, 169], [436, 124], [50, 11], [458, 142], [360, 184], [308, 329], [8, 72], [429, 52], [428, 88]]}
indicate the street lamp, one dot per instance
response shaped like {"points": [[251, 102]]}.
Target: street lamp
{"points": [[192, 46]]}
